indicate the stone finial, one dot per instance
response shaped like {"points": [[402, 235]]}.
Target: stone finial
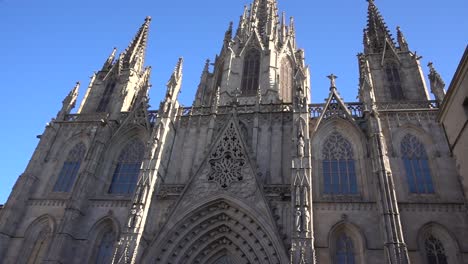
{"points": [[402, 40], [436, 82], [332, 78]]}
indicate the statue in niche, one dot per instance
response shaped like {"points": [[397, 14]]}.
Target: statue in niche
{"points": [[306, 219], [300, 146], [298, 219]]}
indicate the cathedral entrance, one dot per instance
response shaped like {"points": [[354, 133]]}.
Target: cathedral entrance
{"points": [[219, 232]]}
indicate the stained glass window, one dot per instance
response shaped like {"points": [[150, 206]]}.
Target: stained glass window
{"points": [[344, 250], [416, 165], [127, 169], [286, 80], [435, 252], [105, 249], [339, 172], [251, 72], [69, 171], [394, 81]]}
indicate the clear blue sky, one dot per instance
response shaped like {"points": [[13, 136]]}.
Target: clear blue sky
{"points": [[46, 46]]}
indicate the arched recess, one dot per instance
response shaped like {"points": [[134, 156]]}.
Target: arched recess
{"points": [[449, 245], [214, 230], [114, 146], [102, 239], [37, 240], [355, 242], [286, 80], [352, 134]]}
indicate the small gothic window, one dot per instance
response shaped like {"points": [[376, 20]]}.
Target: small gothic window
{"points": [[416, 165], [127, 169], [344, 250], [67, 175], [339, 172], [105, 248], [251, 72], [435, 252], [286, 80], [106, 96], [394, 81]]}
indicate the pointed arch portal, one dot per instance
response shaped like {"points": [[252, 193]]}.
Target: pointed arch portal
{"points": [[216, 233]]}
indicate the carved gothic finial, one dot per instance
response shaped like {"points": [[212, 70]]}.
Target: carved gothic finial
{"points": [[436, 82], [332, 78]]}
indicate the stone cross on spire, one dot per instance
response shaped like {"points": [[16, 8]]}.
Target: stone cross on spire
{"points": [[332, 78]]}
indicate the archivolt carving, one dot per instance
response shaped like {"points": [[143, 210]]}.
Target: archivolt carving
{"points": [[227, 159], [213, 228]]}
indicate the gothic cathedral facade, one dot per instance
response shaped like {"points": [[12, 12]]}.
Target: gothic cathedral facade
{"points": [[253, 171]]}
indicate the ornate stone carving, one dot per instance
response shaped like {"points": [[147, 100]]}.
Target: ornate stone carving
{"points": [[227, 160]]}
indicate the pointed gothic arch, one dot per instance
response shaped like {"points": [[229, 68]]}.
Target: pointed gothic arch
{"points": [[350, 133], [221, 227], [102, 239], [127, 168], [37, 240], [437, 245], [346, 243]]}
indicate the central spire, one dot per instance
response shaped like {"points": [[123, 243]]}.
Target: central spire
{"points": [[376, 32], [134, 55]]}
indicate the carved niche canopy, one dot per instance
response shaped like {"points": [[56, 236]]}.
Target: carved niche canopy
{"points": [[227, 159]]}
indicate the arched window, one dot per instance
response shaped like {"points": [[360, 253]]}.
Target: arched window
{"points": [[286, 80], [40, 248], [105, 248], [339, 172], [251, 72], [127, 169], [416, 165], [435, 252], [106, 96], [394, 81], [67, 175], [344, 250]]}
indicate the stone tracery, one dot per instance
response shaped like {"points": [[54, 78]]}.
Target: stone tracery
{"points": [[228, 159]]}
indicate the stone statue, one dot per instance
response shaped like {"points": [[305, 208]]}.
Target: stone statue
{"points": [[298, 220], [306, 219], [300, 146]]}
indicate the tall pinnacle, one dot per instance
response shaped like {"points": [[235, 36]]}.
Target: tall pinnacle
{"points": [[377, 30], [134, 55], [173, 85]]}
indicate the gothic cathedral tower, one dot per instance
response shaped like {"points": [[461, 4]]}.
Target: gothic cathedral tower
{"points": [[253, 171]]}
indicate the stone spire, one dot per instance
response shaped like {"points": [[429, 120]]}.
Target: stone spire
{"points": [[134, 54], [377, 30], [437, 84], [402, 40]]}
